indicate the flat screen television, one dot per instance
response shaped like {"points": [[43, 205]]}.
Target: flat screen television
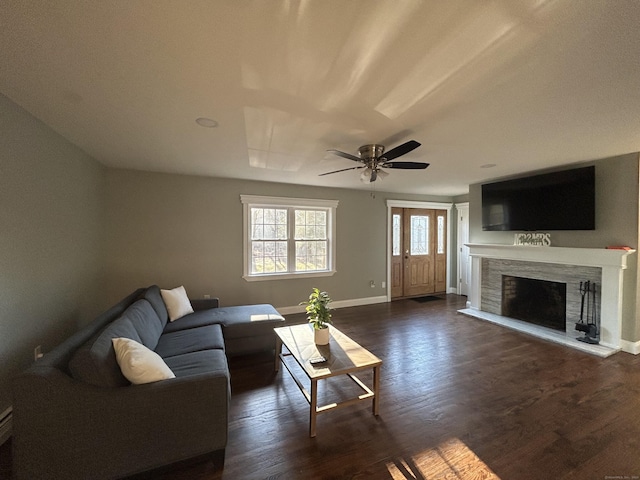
{"points": [[564, 200]]}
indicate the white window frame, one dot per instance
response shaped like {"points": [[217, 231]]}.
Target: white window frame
{"points": [[249, 201]]}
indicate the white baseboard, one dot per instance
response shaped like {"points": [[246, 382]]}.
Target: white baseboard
{"points": [[356, 302], [630, 347]]}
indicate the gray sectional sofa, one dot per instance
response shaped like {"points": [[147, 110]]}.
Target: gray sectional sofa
{"points": [[75, 416]]}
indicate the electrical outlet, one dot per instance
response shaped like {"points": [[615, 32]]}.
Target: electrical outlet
{"points": [[207, 296], [37, 353], [384, 284], [372, 284]]}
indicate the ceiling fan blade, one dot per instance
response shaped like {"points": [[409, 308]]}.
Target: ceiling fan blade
{"points": [[400, 150], [345, 155], [343, 170], [406, 165]]}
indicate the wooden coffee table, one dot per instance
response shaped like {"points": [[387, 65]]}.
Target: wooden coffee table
{"points": [[343, 357]]}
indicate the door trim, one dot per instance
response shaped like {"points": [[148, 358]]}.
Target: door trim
{"points": [[415, 204], [461, 207]]}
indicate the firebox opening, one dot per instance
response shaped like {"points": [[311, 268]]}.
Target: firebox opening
{"points": [[535, 301]]}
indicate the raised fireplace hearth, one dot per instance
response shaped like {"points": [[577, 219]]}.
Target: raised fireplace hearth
{"points": [[562, 265]]}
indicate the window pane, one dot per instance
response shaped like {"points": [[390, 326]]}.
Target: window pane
{"points": [[311, 255], [257, 257], [440, 234], [310, 217], [257, 216], [269, 231], [269, 215], [268, 257], [419, 235], [257, 231], [396, 235], [310, 225], [268, 224]]}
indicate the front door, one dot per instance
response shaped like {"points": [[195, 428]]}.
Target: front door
{"points": [[419, 255]]}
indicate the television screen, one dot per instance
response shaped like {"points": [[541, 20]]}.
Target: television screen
{"points": [[562, 200]]}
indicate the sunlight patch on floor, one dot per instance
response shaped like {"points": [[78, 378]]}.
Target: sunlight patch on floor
{"points": [[451, 459]]}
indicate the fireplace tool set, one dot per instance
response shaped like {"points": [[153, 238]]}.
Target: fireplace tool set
{"points": [[588, 323]]}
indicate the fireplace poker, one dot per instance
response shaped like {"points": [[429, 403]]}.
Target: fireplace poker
{"points": [[593, 311], [588, 291], [582, 293], [584, 288]]}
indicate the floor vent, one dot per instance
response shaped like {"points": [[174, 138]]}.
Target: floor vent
{"points": [[5, 425]]}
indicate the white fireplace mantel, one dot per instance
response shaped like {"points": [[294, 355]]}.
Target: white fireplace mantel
{"points": [[612, 262], [589, 257]]}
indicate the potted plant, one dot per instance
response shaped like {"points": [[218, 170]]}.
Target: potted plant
{"points": [[319, 315]]}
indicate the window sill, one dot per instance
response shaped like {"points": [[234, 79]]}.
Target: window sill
{"points": [[287, 276]]}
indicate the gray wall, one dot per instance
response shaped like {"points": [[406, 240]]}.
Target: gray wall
{"points": [[177, 229], [51, 217], [617, 193]]}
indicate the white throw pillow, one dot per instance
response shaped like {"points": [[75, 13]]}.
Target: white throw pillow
{"points": [[177, 302], [139, 364]]}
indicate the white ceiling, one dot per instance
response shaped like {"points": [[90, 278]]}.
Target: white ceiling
{"points": [[525, 85]]}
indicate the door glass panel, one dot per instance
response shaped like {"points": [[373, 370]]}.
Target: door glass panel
{"points": [[419, 234], [395, 248], [440, 234]]}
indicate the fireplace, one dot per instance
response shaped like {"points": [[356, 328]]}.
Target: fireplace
{"points": [[605, 267], [541, 302]]}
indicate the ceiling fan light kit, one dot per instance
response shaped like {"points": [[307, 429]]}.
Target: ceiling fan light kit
{"points": [[373, 160]]}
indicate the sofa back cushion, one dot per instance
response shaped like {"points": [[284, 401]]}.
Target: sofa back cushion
{"points": [[154, 297], [95, 361], [145, 321]]}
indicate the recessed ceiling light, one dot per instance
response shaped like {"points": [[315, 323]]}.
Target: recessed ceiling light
{"points": [[206, 122], [488, 165]]}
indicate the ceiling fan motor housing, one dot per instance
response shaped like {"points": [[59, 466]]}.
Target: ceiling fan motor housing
{"points": [[370, 152]]}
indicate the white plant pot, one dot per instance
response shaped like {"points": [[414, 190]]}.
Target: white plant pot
{"points": [[321, 336]]}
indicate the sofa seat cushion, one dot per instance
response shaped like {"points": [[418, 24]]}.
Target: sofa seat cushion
{"points": [[194, 320], [209, 362], [190, 340], [249, 320]]}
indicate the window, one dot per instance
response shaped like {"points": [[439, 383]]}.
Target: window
{"points": [[420, 235], [396, 235], [440, 234], [288, 237]]}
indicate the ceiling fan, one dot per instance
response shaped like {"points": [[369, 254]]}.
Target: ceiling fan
{"points": [[373, 159]]}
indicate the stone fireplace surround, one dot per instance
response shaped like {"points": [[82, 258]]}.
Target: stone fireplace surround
{"points": [[564, 264]]}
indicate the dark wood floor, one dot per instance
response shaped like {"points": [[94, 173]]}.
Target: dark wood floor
{"points": [[460, 399]]}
